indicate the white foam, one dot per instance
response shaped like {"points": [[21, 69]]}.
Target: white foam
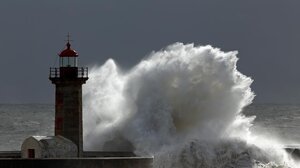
{"points": [[182, 104]]}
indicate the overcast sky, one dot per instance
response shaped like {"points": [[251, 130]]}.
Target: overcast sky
{"points": [[265, 32]]}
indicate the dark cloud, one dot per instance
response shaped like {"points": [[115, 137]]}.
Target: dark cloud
{"points": [[265, 32]]}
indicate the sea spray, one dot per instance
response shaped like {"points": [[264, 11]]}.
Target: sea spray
{"points": [[181, 104]]}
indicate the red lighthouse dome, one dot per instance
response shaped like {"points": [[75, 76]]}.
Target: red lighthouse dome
{"points": [[68, 57], [68, 52]]}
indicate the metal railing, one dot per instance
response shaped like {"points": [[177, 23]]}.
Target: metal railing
{"points": [[54, 73], [82, 72]]}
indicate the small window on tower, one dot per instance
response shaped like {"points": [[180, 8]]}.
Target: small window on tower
{"points": [[58, 123]]}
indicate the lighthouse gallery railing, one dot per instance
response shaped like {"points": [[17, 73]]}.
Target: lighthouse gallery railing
{"points": [[82, 72]]}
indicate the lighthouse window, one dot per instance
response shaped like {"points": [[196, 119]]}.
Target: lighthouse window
{"points": [[68, 61], [58, 123]]}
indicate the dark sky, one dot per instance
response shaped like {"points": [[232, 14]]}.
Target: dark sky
{"points": [[265, 32]]}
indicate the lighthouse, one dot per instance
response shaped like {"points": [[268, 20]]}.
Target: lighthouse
{"points": [[65, 149], [68, 79]]}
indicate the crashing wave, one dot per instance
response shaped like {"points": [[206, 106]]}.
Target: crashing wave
{"points": [[183, 105]]}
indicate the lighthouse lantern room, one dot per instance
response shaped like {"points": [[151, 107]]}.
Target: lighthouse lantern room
{"points": [[68, 57]]}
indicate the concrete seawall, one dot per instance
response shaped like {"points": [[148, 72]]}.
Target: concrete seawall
{"points": [[101, 162]]}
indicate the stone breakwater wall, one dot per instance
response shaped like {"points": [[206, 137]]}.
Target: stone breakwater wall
{"points": [[101, 162]]}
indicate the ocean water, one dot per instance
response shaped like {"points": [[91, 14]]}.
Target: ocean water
{"points": [[277, 121], [19, 121]]}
